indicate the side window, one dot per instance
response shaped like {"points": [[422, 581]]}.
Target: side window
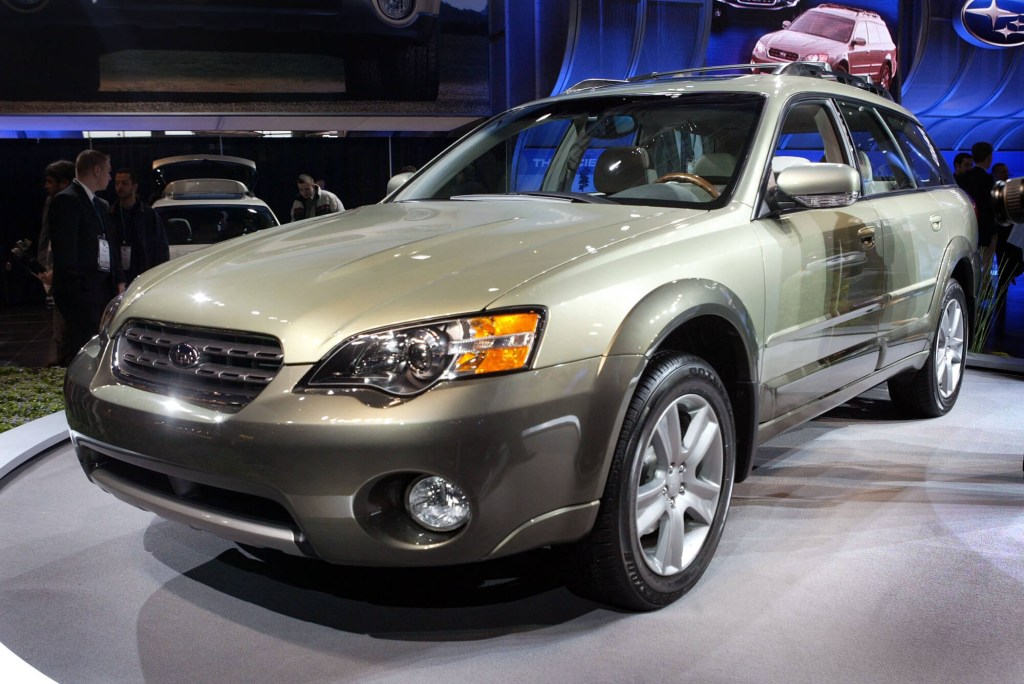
{"points": [[877, 35], [861, 31], [927, 165], [808, 135], [879, 159]]}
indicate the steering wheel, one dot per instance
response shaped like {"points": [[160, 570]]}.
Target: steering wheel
{"points": [[679, 177]]}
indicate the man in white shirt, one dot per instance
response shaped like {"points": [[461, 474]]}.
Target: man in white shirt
{"points": [[313, 200]]}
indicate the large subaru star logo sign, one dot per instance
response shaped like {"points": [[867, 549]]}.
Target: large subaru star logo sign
{"points": [[991, 24]]}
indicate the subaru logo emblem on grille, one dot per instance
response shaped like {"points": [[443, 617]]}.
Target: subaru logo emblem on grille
{"points": [[991, 23], [184, 355]]}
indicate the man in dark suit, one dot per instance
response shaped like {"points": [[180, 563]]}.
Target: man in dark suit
{"points": [[86, 263], [143, 239], [978, 183]]}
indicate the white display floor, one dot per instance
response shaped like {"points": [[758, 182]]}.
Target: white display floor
{"points": [[862, 549]]}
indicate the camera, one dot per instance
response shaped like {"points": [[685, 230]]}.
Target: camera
{"points": [[1006, 201], [23, 256]]}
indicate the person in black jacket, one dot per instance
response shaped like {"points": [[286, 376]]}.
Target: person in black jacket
{"points": [[143, 242], [978, 183], [86, 263]]}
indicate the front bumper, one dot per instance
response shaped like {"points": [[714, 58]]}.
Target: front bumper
{"points": [[324, 476]]}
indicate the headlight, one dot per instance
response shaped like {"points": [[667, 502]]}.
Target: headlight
{"points": [[108, 316], [396, 9], [759, 49], [407, 360]]}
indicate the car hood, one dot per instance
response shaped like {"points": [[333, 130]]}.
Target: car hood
{"points": [[795, 41], [314, 283]]}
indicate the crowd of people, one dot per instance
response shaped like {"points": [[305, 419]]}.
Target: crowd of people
{"points": [[999, 243]]}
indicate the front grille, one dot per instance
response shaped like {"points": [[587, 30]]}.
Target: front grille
{"points": [[218, 367], [783, 54]]}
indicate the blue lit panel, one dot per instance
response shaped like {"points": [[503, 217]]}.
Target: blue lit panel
{"points": [[673, 37], [602, 44]]}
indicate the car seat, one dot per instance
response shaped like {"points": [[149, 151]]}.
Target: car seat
{"points": [[621, 168], [715, 166]]}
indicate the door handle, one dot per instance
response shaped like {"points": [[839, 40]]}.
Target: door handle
{"points": [[866, 235]]}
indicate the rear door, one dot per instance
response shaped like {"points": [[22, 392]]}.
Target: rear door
{"points": [[918, 206]]}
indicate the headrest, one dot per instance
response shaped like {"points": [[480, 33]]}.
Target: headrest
{"points": [[620, 168], [864, 166], [715, 164]]}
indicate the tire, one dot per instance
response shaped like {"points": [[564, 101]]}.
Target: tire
{"points": [[933, 390], [885, 77], [410, 72], [668, 490]]}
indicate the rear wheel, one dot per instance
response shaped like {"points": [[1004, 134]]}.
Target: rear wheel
{"points": [[885, 77], [668, 490], [933, 390]]}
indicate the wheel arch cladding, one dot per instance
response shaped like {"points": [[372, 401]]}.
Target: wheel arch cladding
{"points": [[708, 320]]}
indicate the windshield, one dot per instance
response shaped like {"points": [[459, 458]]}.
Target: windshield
{"points": [[824, 25], [191, 225], [661, 150]]}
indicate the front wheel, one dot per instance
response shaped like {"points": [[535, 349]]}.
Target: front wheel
{"points": [[933, 390], [668, 490]]}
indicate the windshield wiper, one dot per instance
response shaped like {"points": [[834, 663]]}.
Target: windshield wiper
{"points": [[538, 194]]}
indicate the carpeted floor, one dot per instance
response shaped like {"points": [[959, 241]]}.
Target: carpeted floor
{"points": [[863, 549]]}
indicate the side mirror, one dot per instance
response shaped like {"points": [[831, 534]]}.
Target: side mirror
{"points": [[815, 186], [860, 41], [397, 181], [786, 25]]}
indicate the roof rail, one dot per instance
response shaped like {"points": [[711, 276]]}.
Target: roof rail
{"points": [[858, 10], [810, 69], [589, 83]]}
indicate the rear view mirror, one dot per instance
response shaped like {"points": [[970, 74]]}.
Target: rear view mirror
{"points": [[613, 127]]}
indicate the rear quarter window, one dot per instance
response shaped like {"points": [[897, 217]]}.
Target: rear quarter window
{"points": [[927, 165]]}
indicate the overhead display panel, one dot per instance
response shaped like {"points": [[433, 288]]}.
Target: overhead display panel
{"points": [[860, 37], [348, 57]]}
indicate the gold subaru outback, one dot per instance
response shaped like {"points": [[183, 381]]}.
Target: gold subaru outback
{"points": [[571, 329]]}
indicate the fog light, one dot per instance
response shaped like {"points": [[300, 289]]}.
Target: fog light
{"points": [[437, 504]]}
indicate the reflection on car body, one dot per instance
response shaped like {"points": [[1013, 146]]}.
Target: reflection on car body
{"points": [[583, 348]]}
